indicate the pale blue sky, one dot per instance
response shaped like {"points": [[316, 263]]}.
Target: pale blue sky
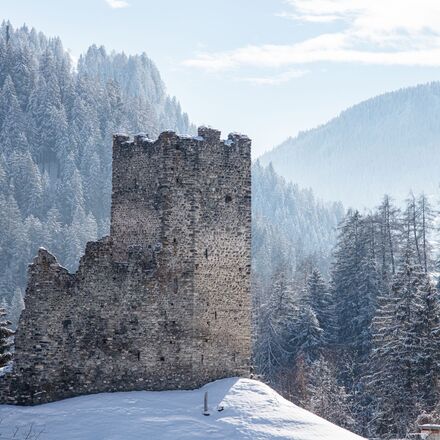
{"points": [[267, 68]]}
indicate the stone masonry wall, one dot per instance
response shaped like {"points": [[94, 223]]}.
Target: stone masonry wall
{"points": [[164, 301]]}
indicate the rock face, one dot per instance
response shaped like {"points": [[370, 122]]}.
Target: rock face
{"points": [[164, 301]]}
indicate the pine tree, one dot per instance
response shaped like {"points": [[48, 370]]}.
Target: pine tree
{"points": [[5, 338], [23, 71], [17, 306], [305, 335], [369, 288], [26, 180], [319, 299], [389, 231], [426, 216], [271, 345], [13, 127], [404, 363], [55, 233], [70, 195], [354, 284], [411, 229], [329, 399]]}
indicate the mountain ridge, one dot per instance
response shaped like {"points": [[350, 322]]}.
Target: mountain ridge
{"points": [[377, 146]]}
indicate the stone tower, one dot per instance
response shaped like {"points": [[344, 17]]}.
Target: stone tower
{"points": [[164, 301]]}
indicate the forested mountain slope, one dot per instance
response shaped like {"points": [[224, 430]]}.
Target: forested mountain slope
{"points": [[56, 122], [290, 227], [387, 144], [361, 348]]}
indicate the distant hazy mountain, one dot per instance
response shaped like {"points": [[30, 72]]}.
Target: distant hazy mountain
{"points": [[387, 144]]}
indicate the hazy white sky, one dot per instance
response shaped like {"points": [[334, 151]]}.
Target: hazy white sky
{"points": [[268, 68]]}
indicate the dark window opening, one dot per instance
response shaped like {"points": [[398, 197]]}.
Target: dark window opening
{"points": [[228, 198], [162, 359], [139, 355], [206, 253], [215, 314], [175, 240]]}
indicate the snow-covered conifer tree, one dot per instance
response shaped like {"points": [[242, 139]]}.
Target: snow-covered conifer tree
{"points": [[5, 338]]}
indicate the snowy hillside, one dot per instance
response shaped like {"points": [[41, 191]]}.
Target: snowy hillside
{"points": [[252, 410], [387, 144]]}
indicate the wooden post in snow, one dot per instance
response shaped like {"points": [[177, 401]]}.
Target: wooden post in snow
{"points": [[205, 404]]}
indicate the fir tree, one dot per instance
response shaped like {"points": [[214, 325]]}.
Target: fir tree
{"points": [[328, 398], [319, 299], [274, 326], [389, 231], [404, 362], [305, 335], [354, 285], [5, 338]]}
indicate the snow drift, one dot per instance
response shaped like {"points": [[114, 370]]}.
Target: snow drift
{"points": [[250, 410]]}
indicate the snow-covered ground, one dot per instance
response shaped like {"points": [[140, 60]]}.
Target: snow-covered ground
{"points": [[252, 410]]}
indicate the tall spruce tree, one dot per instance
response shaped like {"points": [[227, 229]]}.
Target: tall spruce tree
{"points": [[404, 365], [354, 284], [5, 338], [388, 240], [318, 297], [274, 327]]}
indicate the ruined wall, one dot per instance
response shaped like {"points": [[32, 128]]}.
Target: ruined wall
{"points": [[163, 303]]}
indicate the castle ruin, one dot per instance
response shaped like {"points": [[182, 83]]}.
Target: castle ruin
{"points": [[161, 303]]}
